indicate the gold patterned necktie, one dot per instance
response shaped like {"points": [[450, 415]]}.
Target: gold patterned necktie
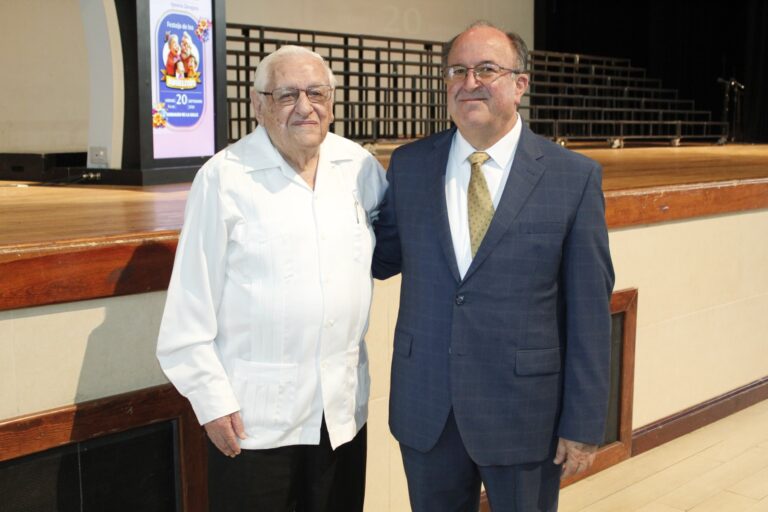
{"points": [[479, 204]]}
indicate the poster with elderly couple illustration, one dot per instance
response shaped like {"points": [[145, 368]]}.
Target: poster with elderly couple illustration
{"points": [[182, 78]]}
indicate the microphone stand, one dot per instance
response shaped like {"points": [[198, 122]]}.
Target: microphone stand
{"points": [[732, 117], [738, 89]]}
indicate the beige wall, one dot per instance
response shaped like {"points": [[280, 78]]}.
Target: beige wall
{"points": [[53, 356], [386, 489], [44, 91], [702, 324], [44, 86], [416, 19]]}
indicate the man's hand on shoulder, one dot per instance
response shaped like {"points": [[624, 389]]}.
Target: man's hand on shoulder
{"points": [[224, 432], [574, 456]]}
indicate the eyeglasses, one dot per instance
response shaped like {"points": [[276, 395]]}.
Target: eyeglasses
{"points": [[286, 96], [484, 73]]}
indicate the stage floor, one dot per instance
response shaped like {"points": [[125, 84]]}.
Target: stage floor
{"points": [[35, 216], [635, 168]]}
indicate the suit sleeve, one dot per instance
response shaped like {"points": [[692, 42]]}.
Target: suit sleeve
{"points": [[185, 347], [387, 258], [587, 281]]}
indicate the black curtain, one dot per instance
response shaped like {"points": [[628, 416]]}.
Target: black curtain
{"points": [[756, 72], [687, 44]]}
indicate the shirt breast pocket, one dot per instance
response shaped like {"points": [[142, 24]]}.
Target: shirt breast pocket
{"points": [[258, 249]]}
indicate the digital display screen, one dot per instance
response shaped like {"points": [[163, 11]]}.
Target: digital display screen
{"points": [[182, 78]]}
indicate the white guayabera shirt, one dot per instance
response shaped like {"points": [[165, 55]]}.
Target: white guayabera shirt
{"points": [[270, 293]]}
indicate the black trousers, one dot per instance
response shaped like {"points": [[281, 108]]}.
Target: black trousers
{"points": [[301, 478]]}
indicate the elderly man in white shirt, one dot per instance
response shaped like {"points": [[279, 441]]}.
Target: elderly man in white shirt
{"points": [[269, 299]]}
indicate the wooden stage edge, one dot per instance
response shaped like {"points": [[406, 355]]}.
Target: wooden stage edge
{"points": [[663, 204], [64, 244]]}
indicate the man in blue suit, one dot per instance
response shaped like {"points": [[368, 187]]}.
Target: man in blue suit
{"points": [[501, 352]]}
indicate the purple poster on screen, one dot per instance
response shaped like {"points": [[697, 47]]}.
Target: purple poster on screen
{"points": [[182, 78]]}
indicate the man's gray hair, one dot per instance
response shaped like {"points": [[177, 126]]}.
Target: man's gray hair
{"points": [[518, 45], [263, 71]]}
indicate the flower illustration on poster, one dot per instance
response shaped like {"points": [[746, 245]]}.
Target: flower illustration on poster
{"points": [[159, 115], [203, 30]]}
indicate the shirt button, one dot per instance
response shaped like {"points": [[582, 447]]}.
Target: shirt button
{"points": [[459, 300]]}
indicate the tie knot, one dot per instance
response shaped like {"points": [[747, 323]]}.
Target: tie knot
{"points": [[478, 158]]}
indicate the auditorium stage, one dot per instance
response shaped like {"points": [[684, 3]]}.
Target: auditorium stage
{"points": [[73, 242]]}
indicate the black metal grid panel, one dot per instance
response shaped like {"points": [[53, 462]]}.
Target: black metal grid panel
{"points": [[387, 87], [391, 88]]}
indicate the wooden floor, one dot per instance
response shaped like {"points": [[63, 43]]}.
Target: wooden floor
{"points": [[38, 215], [632, 168], [31, 216], [722, 467]]}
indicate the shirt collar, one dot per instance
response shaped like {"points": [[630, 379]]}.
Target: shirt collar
{"points": [[501, 153], [264, 155]]}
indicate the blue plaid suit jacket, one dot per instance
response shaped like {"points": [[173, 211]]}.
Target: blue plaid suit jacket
{"points": [[519, 347]]}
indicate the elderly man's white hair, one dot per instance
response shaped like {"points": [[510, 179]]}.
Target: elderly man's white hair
{"points": [[263, 71]]}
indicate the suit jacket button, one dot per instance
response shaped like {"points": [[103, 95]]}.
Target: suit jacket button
{"points": [[459, 300]]}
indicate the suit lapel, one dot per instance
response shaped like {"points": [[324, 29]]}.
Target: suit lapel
{"points": [[436, 166], [525, 173]]}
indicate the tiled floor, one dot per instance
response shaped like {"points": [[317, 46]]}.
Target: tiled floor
{"points": [[722, 467]]}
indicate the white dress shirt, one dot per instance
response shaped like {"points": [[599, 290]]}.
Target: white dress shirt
{"points": [[496, 171], [270, 293]]}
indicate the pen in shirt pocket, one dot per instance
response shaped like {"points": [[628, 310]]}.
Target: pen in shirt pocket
{"points": [[357, 209]]}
